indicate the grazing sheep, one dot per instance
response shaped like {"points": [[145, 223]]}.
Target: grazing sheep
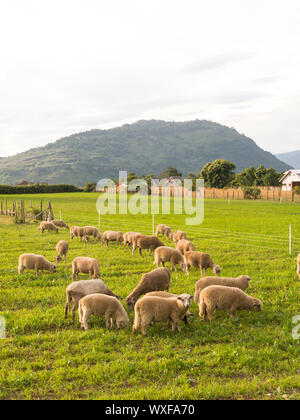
{"points": [[92, 231], [60, 224], [145, 242], [184, 246], [151, 309], [156, 280], [164, 254], [200, 260], [85, 265], [222, 297], [128, 238], [35, 262], [178, 235], [241, 282], [112, 236], [79, 289], [167, 295], [164, 230], [62, 249], [298, 266], [99, 304], [47, 226], [79, 232]]}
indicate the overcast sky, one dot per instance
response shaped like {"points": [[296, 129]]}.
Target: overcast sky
{"points": [[73, 65]]}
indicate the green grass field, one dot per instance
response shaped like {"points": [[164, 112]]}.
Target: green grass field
{"points": [[255, 356]]}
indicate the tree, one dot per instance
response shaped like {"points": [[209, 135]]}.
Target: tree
{"points": [[170, 171], [218, 174], [247, 177]]}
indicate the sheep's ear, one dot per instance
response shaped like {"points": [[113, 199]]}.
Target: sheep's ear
{"points": [[180, 298], [192, 297]]}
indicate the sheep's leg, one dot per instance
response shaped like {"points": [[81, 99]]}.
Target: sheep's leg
{"points": [[140, 251], [108, 320], [232, 312], [210, 314], [202, 311], [76, 304], [21, 269], [65, 259], [298, 269], [187, 268]]}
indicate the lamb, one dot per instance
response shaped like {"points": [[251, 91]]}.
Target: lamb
{"points": [[154, 309], [298, 266], [145, 242], [79, 289], [222, 297], [92, 231], [62, 249], [79, 232], [164, 230], [35, 262], [60, 224], [85, 265], [112, 236], [163, 254], [167, 295], [99, 304], [155, 280], [200, 260], [128, 238], [178, 235], [241, 282], [47, 226], [183, 246]]}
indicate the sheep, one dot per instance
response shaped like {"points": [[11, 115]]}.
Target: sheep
{"points": [[298, 266], [200, 260], [62, 249], [87, 266], [92, 231], [222, 297], [146, 242], [79, 289], [77, 231], [155, 280], [35, 262], [163, 254], [164, 230], [60, 224], [183, 246], [112, 236], [241, 282], [154, 309], [178, 235], [99, 304], [47, 226], [128, 238], [167, 295]]}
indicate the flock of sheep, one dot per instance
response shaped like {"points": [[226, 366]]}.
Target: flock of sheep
{"points": [[94, 297]]}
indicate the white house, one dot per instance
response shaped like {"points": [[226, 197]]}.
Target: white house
{"points": [[290, 180]]}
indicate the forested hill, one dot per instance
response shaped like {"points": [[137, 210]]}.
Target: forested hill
{"points": [[143, 147]]}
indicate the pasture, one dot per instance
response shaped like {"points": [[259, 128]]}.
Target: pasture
{"points": [[254, 356]]}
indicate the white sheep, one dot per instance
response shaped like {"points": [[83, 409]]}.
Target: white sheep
{"points": [[128, 238], [92, 231], [165, 254], [200, 260], [35, 262], [77, 231], [85, 265], [164, 230], [178, 235], [79, 289], [241, 282], [221, 298], [155, 280], [145, 242], [62, 249], [112, 236], [98, 304], [60, 224], [47, 226], [183, 246], [151, 309]]}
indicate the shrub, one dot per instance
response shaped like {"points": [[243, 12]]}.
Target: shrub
{"points": [[251, 193], [297, 190], [37, 189]]}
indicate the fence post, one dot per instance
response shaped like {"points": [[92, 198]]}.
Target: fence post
{"points": [[290, 240]]}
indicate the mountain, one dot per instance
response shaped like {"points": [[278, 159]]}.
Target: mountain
{"points": [[291, 158], [143, 147]]}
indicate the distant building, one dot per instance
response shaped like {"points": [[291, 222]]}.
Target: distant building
{"points": [[290, 180], [24, 183]]}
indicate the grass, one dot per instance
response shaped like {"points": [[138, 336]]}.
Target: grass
{"points": [[251, 357]]}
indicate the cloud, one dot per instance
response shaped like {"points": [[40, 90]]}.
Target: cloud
{"points": [[218, 61]]}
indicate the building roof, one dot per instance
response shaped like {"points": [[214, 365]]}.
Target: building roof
{"points": [[293, 173]]}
